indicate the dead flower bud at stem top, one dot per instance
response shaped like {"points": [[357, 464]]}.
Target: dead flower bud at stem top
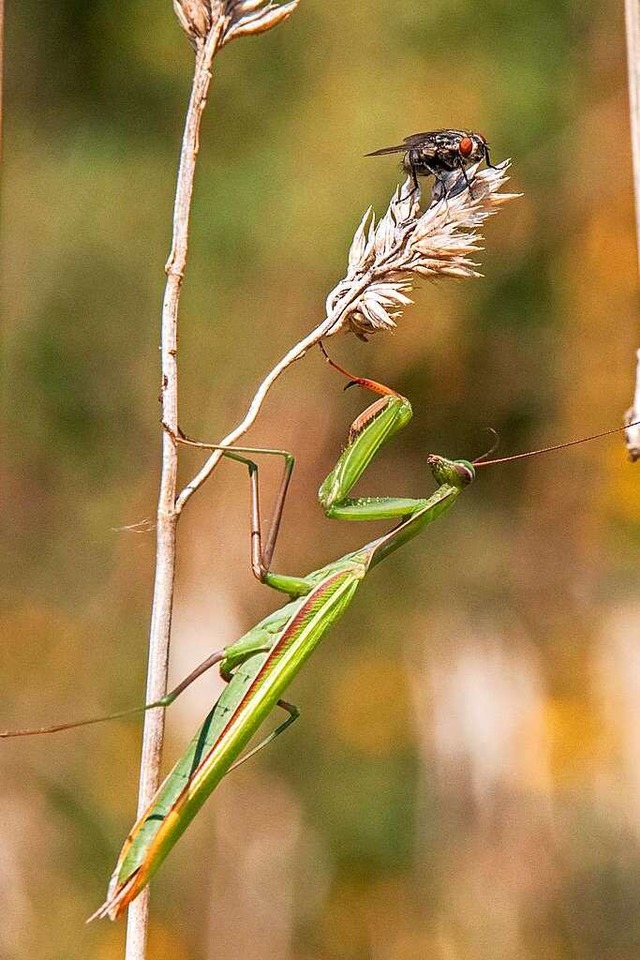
{"points": [[386, 258], [250, 17], [194, 17], [243, 18]]}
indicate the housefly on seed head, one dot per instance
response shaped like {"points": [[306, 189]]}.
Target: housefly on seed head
{"points": [[439, 153]]}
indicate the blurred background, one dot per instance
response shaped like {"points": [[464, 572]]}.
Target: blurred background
{"points": [[464, 783]]}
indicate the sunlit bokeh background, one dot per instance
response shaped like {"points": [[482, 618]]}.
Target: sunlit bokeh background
{"points": [[464, 783]]}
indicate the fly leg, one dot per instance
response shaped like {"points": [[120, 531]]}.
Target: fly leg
{"points": [[412, 162], [487, 158], [462, 181]]}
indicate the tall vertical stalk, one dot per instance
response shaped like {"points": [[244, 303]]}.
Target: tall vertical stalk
{"points": [[210, 24], [632, 17], [1, 71], [167, 517]]}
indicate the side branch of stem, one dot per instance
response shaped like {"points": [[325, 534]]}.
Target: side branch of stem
{"points": [[336, 313]]}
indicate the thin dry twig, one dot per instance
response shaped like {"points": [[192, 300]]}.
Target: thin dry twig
{"points": [[209, 24], [632, 17], [162, 604], [631, 418], [1, 73], [385, 261]]}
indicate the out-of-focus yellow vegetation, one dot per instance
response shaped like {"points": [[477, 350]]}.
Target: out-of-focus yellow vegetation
{"points": [[465, 778]]}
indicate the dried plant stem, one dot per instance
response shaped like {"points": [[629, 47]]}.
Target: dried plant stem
{"points": [[632, 16], [167, 515], [1, 72], [632, 416], [324, 329]]}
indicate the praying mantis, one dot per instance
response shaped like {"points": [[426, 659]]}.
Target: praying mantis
{"points": [[259, 667]]}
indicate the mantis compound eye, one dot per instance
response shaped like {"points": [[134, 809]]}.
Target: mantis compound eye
{"points": [[465, 470]]}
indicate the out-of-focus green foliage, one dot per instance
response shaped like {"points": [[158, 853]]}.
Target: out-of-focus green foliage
{"points": [[465, 778]]}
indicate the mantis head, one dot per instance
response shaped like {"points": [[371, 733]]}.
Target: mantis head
{"points": [[458, 473]]}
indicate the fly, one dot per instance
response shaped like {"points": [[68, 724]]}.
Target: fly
{"points": [[439, 153]]}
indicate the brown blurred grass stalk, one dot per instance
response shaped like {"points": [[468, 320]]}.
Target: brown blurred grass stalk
{"points": [[632, 20]]}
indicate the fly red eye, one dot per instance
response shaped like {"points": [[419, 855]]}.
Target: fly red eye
{"points": [[465, 146]]}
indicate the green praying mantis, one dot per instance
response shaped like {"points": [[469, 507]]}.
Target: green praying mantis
{"points": [[259, 667]]}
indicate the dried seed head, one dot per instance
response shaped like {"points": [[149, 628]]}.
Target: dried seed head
{"points": [[386, 258], [250, 17], [194, 17]]}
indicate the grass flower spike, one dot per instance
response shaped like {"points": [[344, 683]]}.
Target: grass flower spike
{"points": [[386, 258]]}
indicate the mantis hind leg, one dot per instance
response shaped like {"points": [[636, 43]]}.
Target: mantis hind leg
{"points": [[217, 657], [293, 712], [261, 554]]}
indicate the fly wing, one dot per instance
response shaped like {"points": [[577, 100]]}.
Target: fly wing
{"points": [[416, 138], [401, 148], [426, 142]]}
